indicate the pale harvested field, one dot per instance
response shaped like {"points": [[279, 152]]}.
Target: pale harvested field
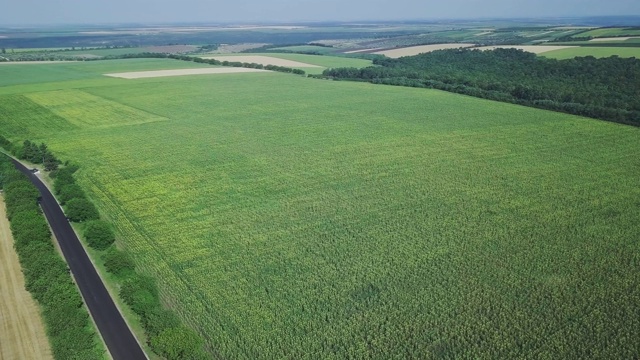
{"points": [[484, 33], [415, 50], [264, 60], [181, 72], [614, 38], [22, 334], [529, 48]]}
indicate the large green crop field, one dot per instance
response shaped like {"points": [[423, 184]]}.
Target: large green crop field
{"points": [[288, 217]]}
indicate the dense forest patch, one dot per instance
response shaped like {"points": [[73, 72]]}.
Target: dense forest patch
{"points": [[604, 88]]}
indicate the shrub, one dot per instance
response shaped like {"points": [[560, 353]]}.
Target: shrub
{"points": [[64, 177], [99, 234], [140, 293], [70, 191], [158, 319], [79, 210], [178, 343], [118, 262]]}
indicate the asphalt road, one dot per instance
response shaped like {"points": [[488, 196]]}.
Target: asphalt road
{"points": [[116, 334]]}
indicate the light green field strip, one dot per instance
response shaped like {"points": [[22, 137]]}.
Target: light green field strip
{"points": [[598, 52], [536, 49], [86, 110], [608, 32]]}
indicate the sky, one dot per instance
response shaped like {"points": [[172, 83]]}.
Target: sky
{"points": [[46, 12]]}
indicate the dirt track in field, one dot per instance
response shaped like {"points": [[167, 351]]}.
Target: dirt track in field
{"points": [[181, 72], [528, 48], [264, 60], [22, 334]]}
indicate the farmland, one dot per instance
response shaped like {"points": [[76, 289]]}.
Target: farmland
{"points": [[288, 217], [309, 63], [607, 32], [536, 49], [597, 52], [307, 48], [264, 60], [415, 50]]}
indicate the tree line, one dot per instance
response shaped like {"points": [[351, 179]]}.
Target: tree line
{"points": [[166, 334], [47, 275], [604, 88]]}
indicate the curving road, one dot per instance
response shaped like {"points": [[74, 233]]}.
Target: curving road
{"points": [[114, 330]]}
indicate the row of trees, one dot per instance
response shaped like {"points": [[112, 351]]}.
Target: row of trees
{"points": [[44, 269], [604, 88], [46, 274], [38, 154], [166, 334]]}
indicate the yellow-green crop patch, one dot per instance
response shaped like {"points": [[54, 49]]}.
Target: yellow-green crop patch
{"points": [[289, 217], [86, 110]]}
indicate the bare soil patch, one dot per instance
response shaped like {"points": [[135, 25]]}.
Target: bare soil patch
{"points": [[172, 49], [415, 50], [22, 334], [181, 72], [536, 49], [264, 60]]}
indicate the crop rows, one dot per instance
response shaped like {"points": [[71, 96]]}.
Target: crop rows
{"points": [[293, 218]]}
